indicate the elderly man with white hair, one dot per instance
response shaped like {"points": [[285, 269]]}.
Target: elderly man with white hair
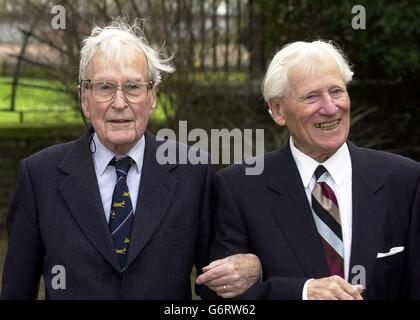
{"points": [[100, 217], [328, 219]]}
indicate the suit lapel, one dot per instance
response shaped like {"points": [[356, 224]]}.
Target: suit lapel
{"points": [[157, 189], [368, 212], [293, 214], [81, 193]]}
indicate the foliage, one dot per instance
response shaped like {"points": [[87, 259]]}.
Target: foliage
{"points": [[387, 50]]}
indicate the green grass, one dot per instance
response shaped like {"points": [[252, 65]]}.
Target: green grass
{"points": [[28, 98], [38, 106]]}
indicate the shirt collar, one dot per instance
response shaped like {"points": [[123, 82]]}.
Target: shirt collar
{"points": [[102, 156], [334, 164]]}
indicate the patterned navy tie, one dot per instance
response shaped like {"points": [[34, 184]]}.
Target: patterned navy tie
{"points": [[327, 219], [122, 215]]}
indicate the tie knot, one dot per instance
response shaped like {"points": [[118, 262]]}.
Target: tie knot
{"points": [[122, 165], [320, 170]]}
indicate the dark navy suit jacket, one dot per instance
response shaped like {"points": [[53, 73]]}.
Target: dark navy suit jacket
{"points": [[57, 218], [269, 215]]}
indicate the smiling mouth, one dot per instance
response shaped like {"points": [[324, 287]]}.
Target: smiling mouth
{"points": [[327, 125], [119, 121]]}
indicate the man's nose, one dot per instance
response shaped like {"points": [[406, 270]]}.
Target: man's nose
{"points": [[119, 101], [328, 106]]}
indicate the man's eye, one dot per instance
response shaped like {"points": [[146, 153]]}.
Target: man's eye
{"points": [[132, 86], [105, 86], [311, 98], [337, 93]]}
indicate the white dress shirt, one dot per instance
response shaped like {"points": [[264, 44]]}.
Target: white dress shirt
{"points": [[340, 181], [106, 175]]}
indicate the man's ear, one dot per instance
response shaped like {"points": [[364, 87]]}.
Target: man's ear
{"points": [[83, 102], [276, 111], [153, 98]]}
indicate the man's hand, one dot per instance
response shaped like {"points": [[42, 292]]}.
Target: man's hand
{"points": [[231, 276], [333, 288]]}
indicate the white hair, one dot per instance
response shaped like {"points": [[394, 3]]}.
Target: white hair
{"points": [[109, 42], [304, 55]]}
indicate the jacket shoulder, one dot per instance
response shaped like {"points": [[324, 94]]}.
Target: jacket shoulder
{"points": [[388, 161], [46, 159], [239, 171]]}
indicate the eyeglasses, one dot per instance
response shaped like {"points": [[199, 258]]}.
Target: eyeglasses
{"points": [[336, 93], [104, 91]]}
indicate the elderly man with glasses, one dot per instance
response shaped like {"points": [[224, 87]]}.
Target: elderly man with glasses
{"points": [[100, 217]]}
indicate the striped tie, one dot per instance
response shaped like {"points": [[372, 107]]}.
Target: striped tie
{"points": [[327, 219], [121, 218]]}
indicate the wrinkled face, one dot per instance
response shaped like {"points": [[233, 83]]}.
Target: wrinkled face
{"points": [[119, 123], [316, 111]]}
